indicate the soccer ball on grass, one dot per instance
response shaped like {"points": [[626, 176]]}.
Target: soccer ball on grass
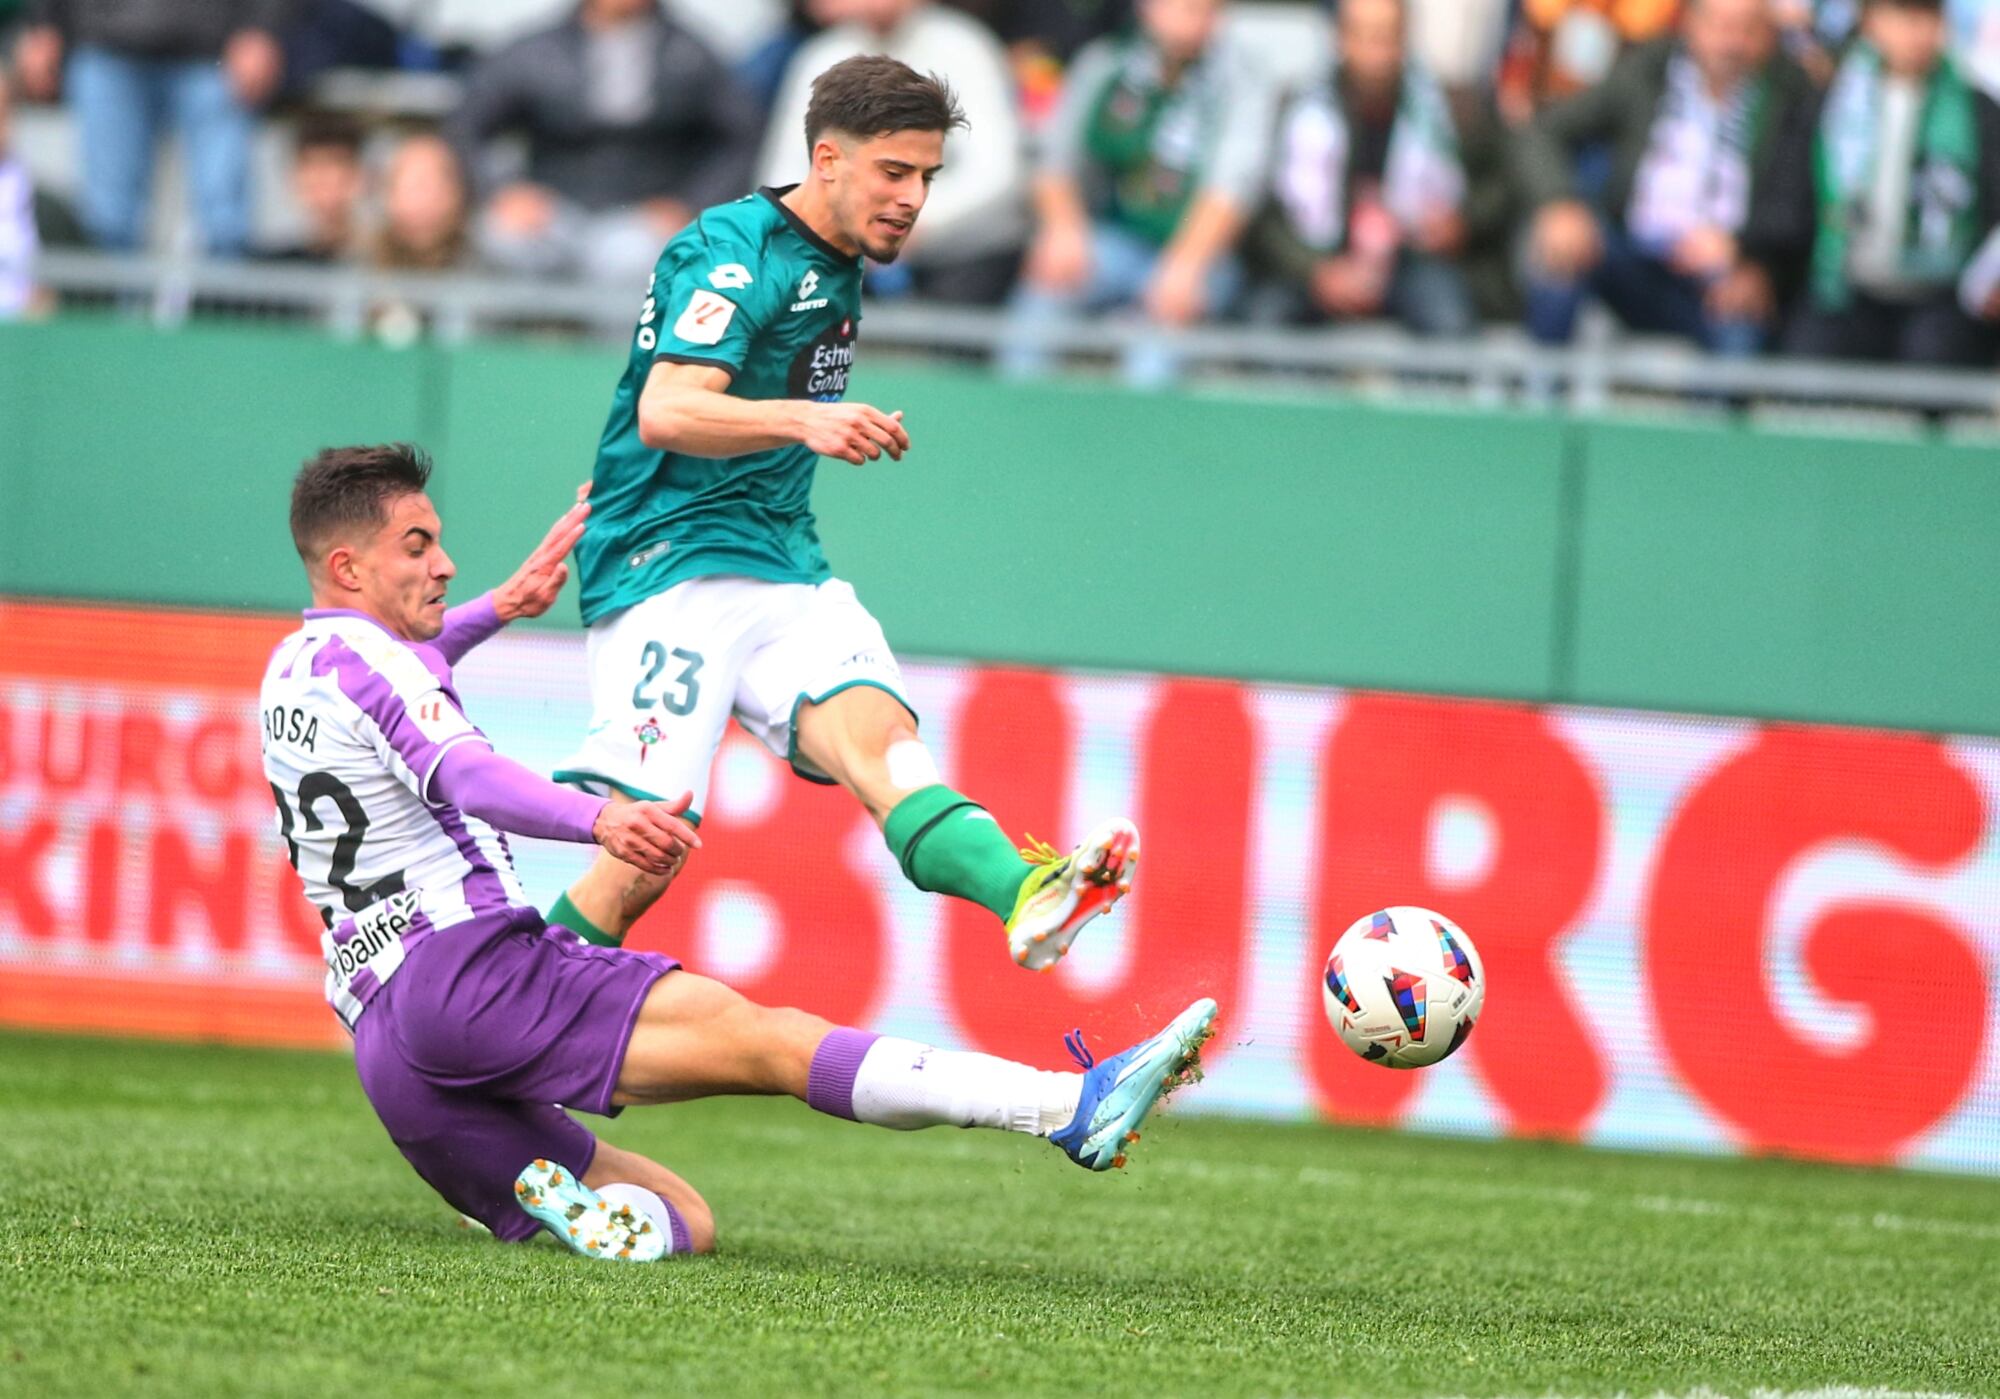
{"points": [[1403, 987]]}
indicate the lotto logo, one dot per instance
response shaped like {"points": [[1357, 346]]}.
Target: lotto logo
{"points": [[807, 301], [731, 276]]}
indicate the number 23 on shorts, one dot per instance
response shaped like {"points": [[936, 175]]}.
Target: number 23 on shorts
{"points": [[652, 692]]}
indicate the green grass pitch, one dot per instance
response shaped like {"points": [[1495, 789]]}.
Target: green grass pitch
{"points": [[207, 1221]]}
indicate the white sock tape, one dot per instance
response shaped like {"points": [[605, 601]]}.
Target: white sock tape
{"points": [[910, 765]]}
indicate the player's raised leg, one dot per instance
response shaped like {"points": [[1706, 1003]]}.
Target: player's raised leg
{"points": [[609, 897], [945, 842], [662, 674]]}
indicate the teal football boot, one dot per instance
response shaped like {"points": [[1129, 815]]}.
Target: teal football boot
{"points": [[583, 1221], [1118, 1092]]}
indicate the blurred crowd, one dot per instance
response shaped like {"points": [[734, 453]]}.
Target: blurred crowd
{"points": [[1755, 176]]}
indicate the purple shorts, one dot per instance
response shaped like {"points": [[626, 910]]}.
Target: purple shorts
{"points": [[468, 1051]]}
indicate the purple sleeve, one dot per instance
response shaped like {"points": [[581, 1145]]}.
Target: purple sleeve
{"points": [[465, 626], [502, 793]]}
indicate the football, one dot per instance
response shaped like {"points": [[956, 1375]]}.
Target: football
{"points": [[1403, 987]]}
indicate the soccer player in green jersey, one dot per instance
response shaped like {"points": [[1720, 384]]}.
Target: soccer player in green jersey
{"points": [[704, 588]]}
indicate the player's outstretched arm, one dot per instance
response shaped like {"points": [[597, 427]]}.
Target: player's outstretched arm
{"points": [[649, 836], [539, 580], [686, 408], [529, 593], [465, 626]]}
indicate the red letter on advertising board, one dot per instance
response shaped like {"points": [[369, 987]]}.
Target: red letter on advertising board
{"points": [[1389, 763], [70, 741], [830, 951], [21, 857], [221, 890], [1916, 975], [1188, 911]]}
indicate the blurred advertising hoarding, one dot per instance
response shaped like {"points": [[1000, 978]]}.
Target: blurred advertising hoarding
{"points": [[1699, 934]]}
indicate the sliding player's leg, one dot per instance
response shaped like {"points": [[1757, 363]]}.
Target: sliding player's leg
{"points": [[625, 1206], [696, 1038], [472, 1149], [827, 694], [465, 1054]]}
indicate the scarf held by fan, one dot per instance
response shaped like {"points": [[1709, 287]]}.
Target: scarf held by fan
{"points": [[1940, 227], [1422, 174]]}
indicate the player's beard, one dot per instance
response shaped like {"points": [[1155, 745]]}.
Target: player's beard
{"points": [[890, 251], [875, 249]]}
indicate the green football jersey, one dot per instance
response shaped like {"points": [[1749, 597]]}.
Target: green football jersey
{"points": [[749, 288]]}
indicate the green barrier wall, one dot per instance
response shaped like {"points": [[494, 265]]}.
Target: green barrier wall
{"points": [[1711, 569]]}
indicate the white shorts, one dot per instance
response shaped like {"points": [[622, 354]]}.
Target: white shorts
{"points": [[666, 674]]}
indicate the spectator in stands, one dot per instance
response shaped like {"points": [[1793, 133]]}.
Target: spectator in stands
{"points": [[1906, 265], [206, 65], [1707, 212], [424, 227], [632, 125], [423, 208], [1460, 42], [1463, 44], [1042, 36], [1155, 162], [1367, 189], [1563, 47], [967, 247], [20, 244], [329, 182], [1059, 28], [330, 34]]}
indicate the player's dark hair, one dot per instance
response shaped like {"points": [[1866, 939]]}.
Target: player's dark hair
{"points": [[874, 95], [1932, 7], [328, 131], [348, 489]]}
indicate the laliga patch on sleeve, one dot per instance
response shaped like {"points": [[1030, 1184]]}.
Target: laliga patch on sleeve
{"points": [[437, 718], [706, 318]]}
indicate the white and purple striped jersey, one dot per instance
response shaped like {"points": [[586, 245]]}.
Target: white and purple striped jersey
{"points": [[355, 722]]}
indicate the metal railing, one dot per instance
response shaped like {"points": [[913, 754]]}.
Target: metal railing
{"points": [[1497, 367]]}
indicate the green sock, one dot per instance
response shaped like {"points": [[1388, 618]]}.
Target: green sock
{"points": [[567, 914], [947, 844]]}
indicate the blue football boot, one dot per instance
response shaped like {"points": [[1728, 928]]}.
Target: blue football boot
{"points": [[1118, 1092]]}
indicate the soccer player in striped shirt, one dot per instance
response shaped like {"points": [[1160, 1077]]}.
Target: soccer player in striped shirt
{"points": [[475, 1023]]}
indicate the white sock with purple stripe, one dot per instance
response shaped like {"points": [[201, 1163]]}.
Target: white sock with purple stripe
{"points": [[905, 1085], [644, 1202]]}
